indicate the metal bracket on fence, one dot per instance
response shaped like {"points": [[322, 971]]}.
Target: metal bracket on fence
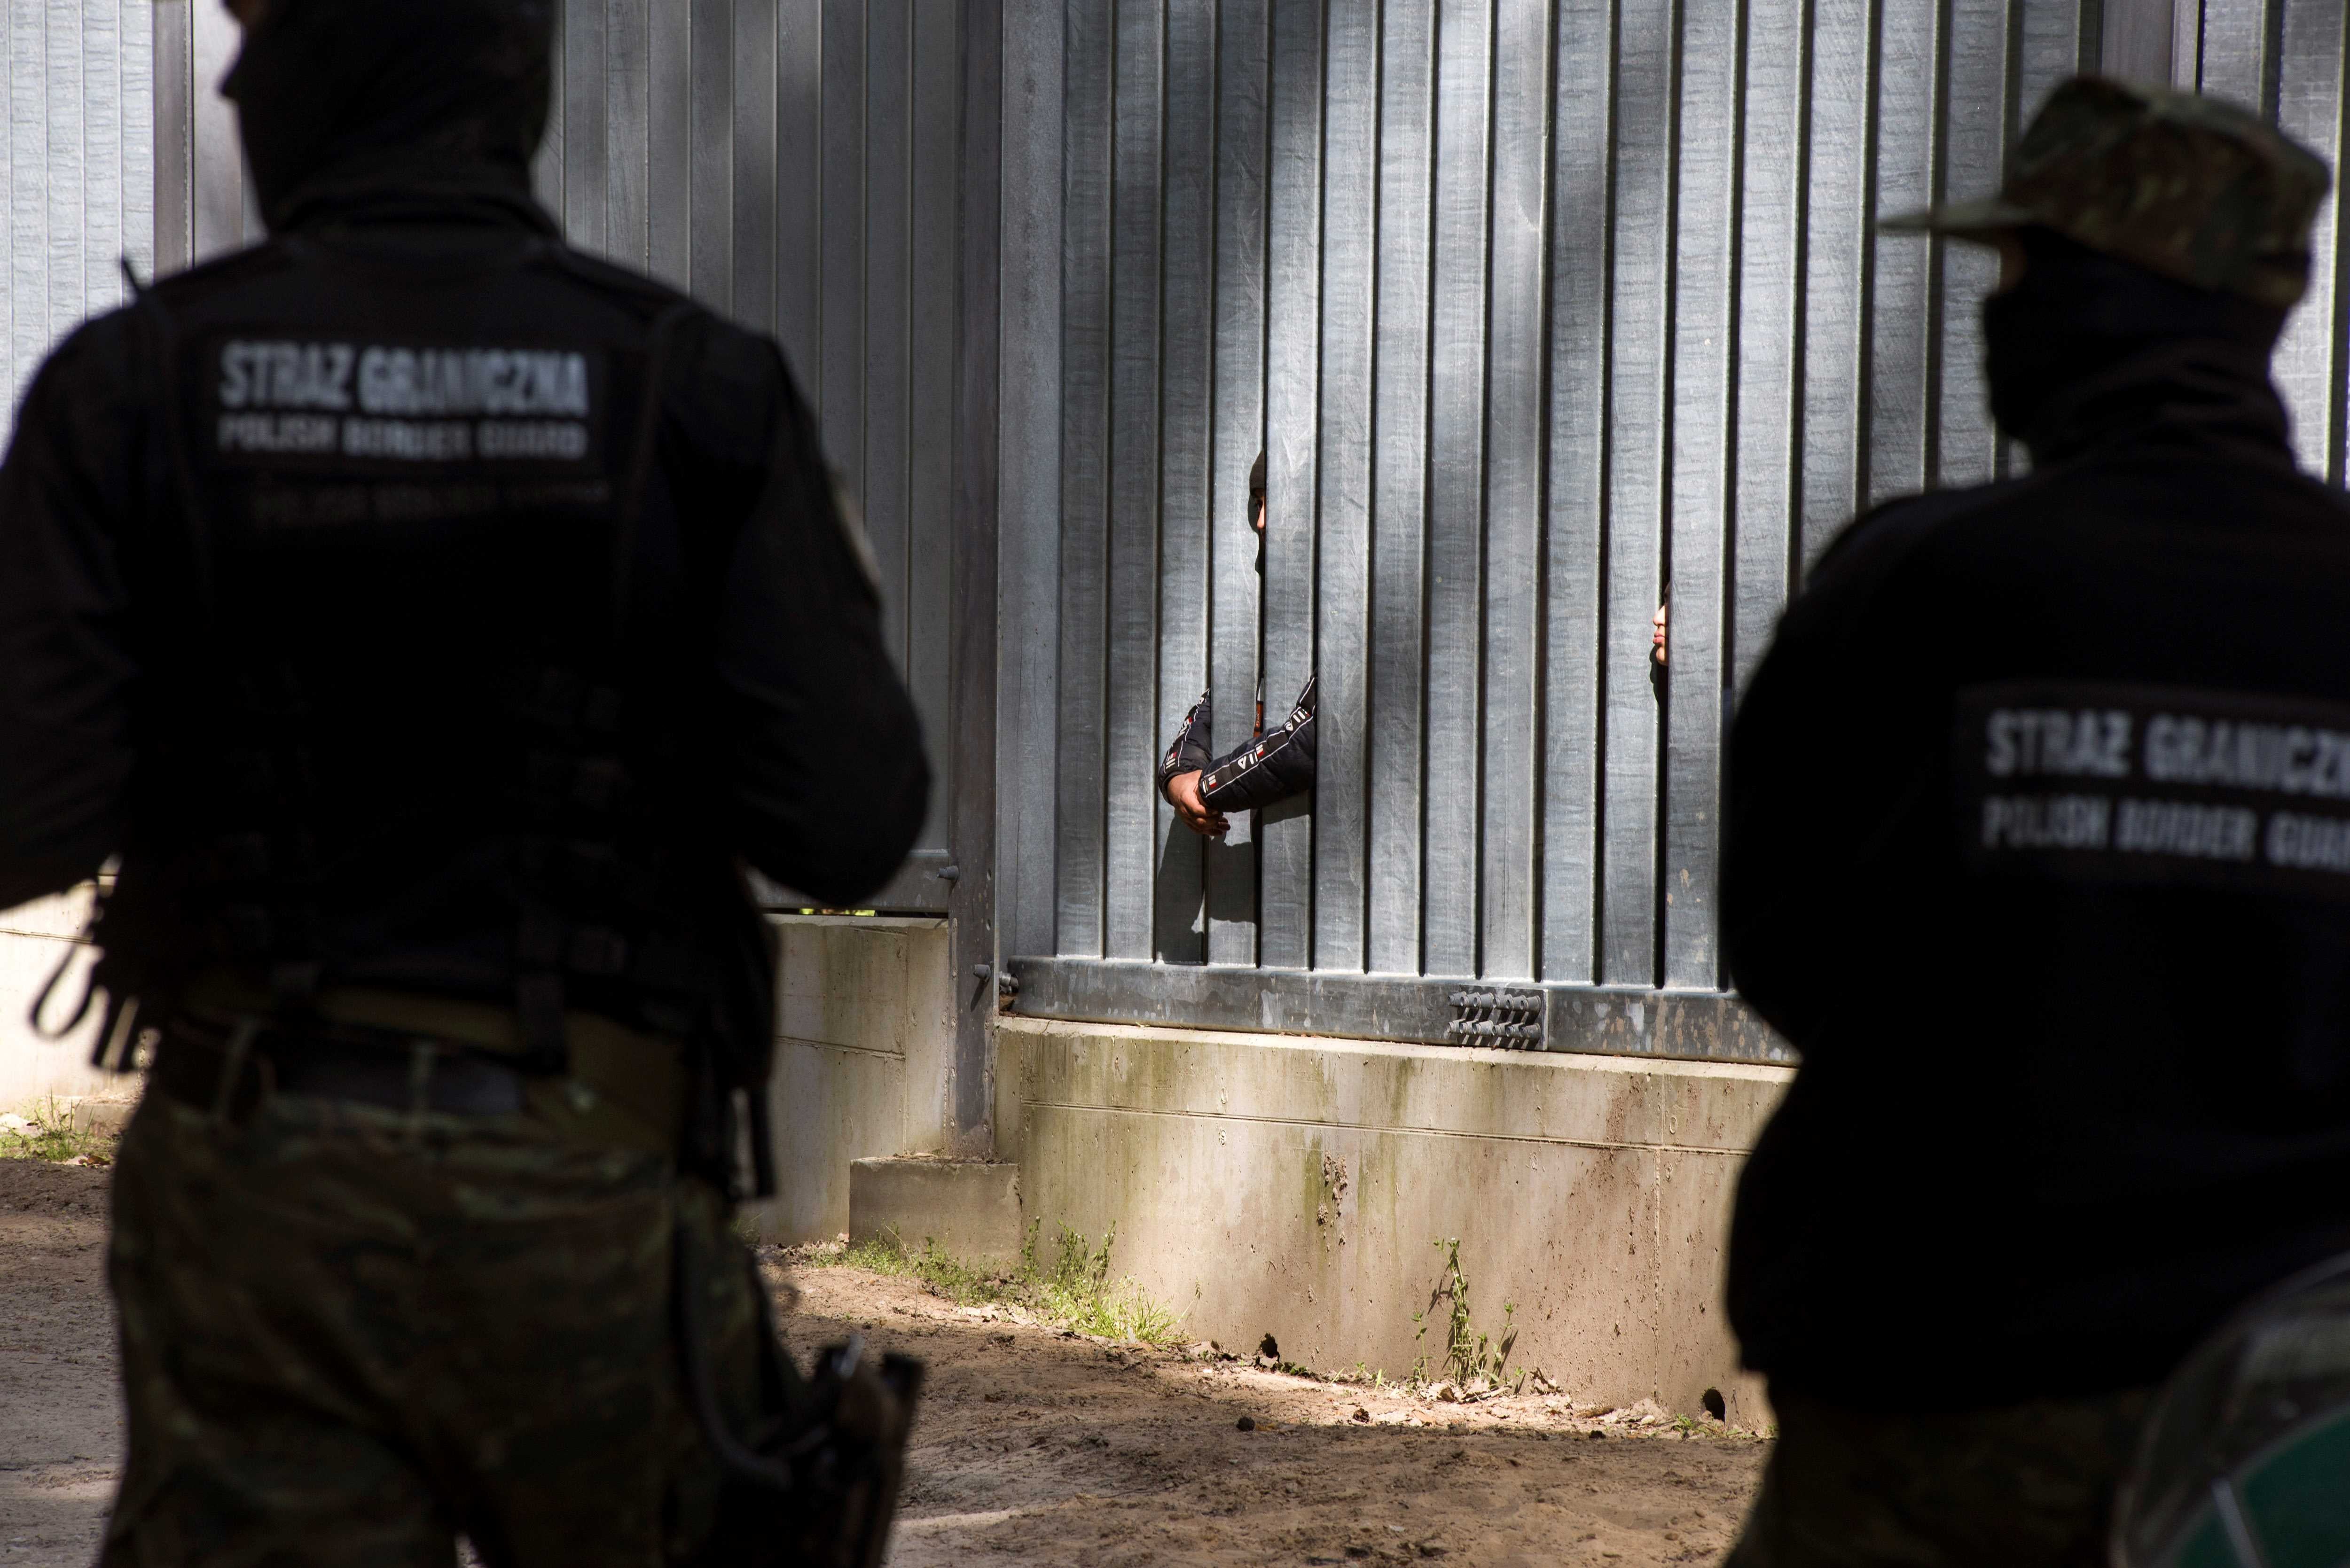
{"points": [[1511, 1020]]}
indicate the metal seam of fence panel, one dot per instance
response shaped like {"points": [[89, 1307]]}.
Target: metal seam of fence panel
{"points": [[933, 534], [1342, 593], [1766, 442], [1704, 234], [1398, 542], [1237, 591], [1641, 270], [1131, 740], [1186, 401], [1509, 839], [587, 123], [881, 475], [754, 187], [1455, 514], [710, 175], [1028, 579], [1582, 198], [669, 148], [974, 179], [1627, 1021], [627, 108], [1083, 521], [799, 187], [2309, 108], [1292, 356], [841, 375], [1974, 142]]}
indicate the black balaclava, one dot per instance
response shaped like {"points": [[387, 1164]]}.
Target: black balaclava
{"points": [[2078, 322], [446, 93]]}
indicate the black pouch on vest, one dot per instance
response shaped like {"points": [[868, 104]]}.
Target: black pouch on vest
{"points": [[1271, 768]]}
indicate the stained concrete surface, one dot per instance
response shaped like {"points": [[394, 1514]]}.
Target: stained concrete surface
{"points": [[1300, 1187]]}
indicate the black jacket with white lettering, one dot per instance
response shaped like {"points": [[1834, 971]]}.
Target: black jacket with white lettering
{"points": [[2048, 1127], [761, 719]]}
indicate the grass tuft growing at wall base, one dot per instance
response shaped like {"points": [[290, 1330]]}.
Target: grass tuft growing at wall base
{"points": [[54, 1133], [1075, 1291]]}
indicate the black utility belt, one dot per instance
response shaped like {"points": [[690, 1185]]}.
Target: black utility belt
{"points": [[229, 1069]]}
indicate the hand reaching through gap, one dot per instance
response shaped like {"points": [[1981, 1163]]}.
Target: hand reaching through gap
{"points": [[1183, 790]]}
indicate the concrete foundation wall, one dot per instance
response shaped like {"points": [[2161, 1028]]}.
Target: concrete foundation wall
{"points": [[1263, 1184], [864, 1058], [33, 938]]}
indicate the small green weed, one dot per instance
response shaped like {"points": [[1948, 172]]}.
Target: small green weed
{"points": [[54, 1133], [1469, 1356], [1076, 1290]]}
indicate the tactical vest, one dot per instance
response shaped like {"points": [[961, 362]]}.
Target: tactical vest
{"points": [[412, 720]]}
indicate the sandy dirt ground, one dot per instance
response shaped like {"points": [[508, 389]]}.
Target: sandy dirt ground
{"points": [[1035, 1446]]}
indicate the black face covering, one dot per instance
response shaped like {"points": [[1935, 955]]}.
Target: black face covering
{"points": [[2077, 317], [445, 92]]}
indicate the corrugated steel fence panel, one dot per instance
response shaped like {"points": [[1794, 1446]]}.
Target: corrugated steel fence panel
{"points": [[1536, 308], [793, 163], [77, 140]]}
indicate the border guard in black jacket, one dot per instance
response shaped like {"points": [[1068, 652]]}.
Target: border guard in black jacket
{"points": [[2039, 851], [434, 620]]}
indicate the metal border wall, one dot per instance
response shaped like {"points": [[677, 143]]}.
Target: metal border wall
{"points": [[1536, 307], [77, 141]]}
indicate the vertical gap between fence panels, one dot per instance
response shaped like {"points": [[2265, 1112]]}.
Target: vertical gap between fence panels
{"points": [[1896, 271], [1347, 378], [1187, 370], [931, 375], [669, 152], [1456, 481], [1508, 693], [1836, 213], [547, 169], [755, 189], [2308, 98], [1292, 312], [1241, 214], [1979, 107], [799, 219], [587, 121], [1084, 348], [1129, 805], [884, 175], [1702, 458], [28, 283], [1575, 485], [174, 149], [628, 214], [1638, 427], [1766, 433], [65, 172], [141, 216], [842, 371], [98, 241], [1029, 480], [709, 263], [1397, 777]]}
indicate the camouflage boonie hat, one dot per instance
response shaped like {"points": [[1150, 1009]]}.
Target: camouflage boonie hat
{"points": [[2192, 188]]}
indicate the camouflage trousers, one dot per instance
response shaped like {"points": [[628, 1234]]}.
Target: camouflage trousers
{"points": [[350, 1334], [2024, 1486]]}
